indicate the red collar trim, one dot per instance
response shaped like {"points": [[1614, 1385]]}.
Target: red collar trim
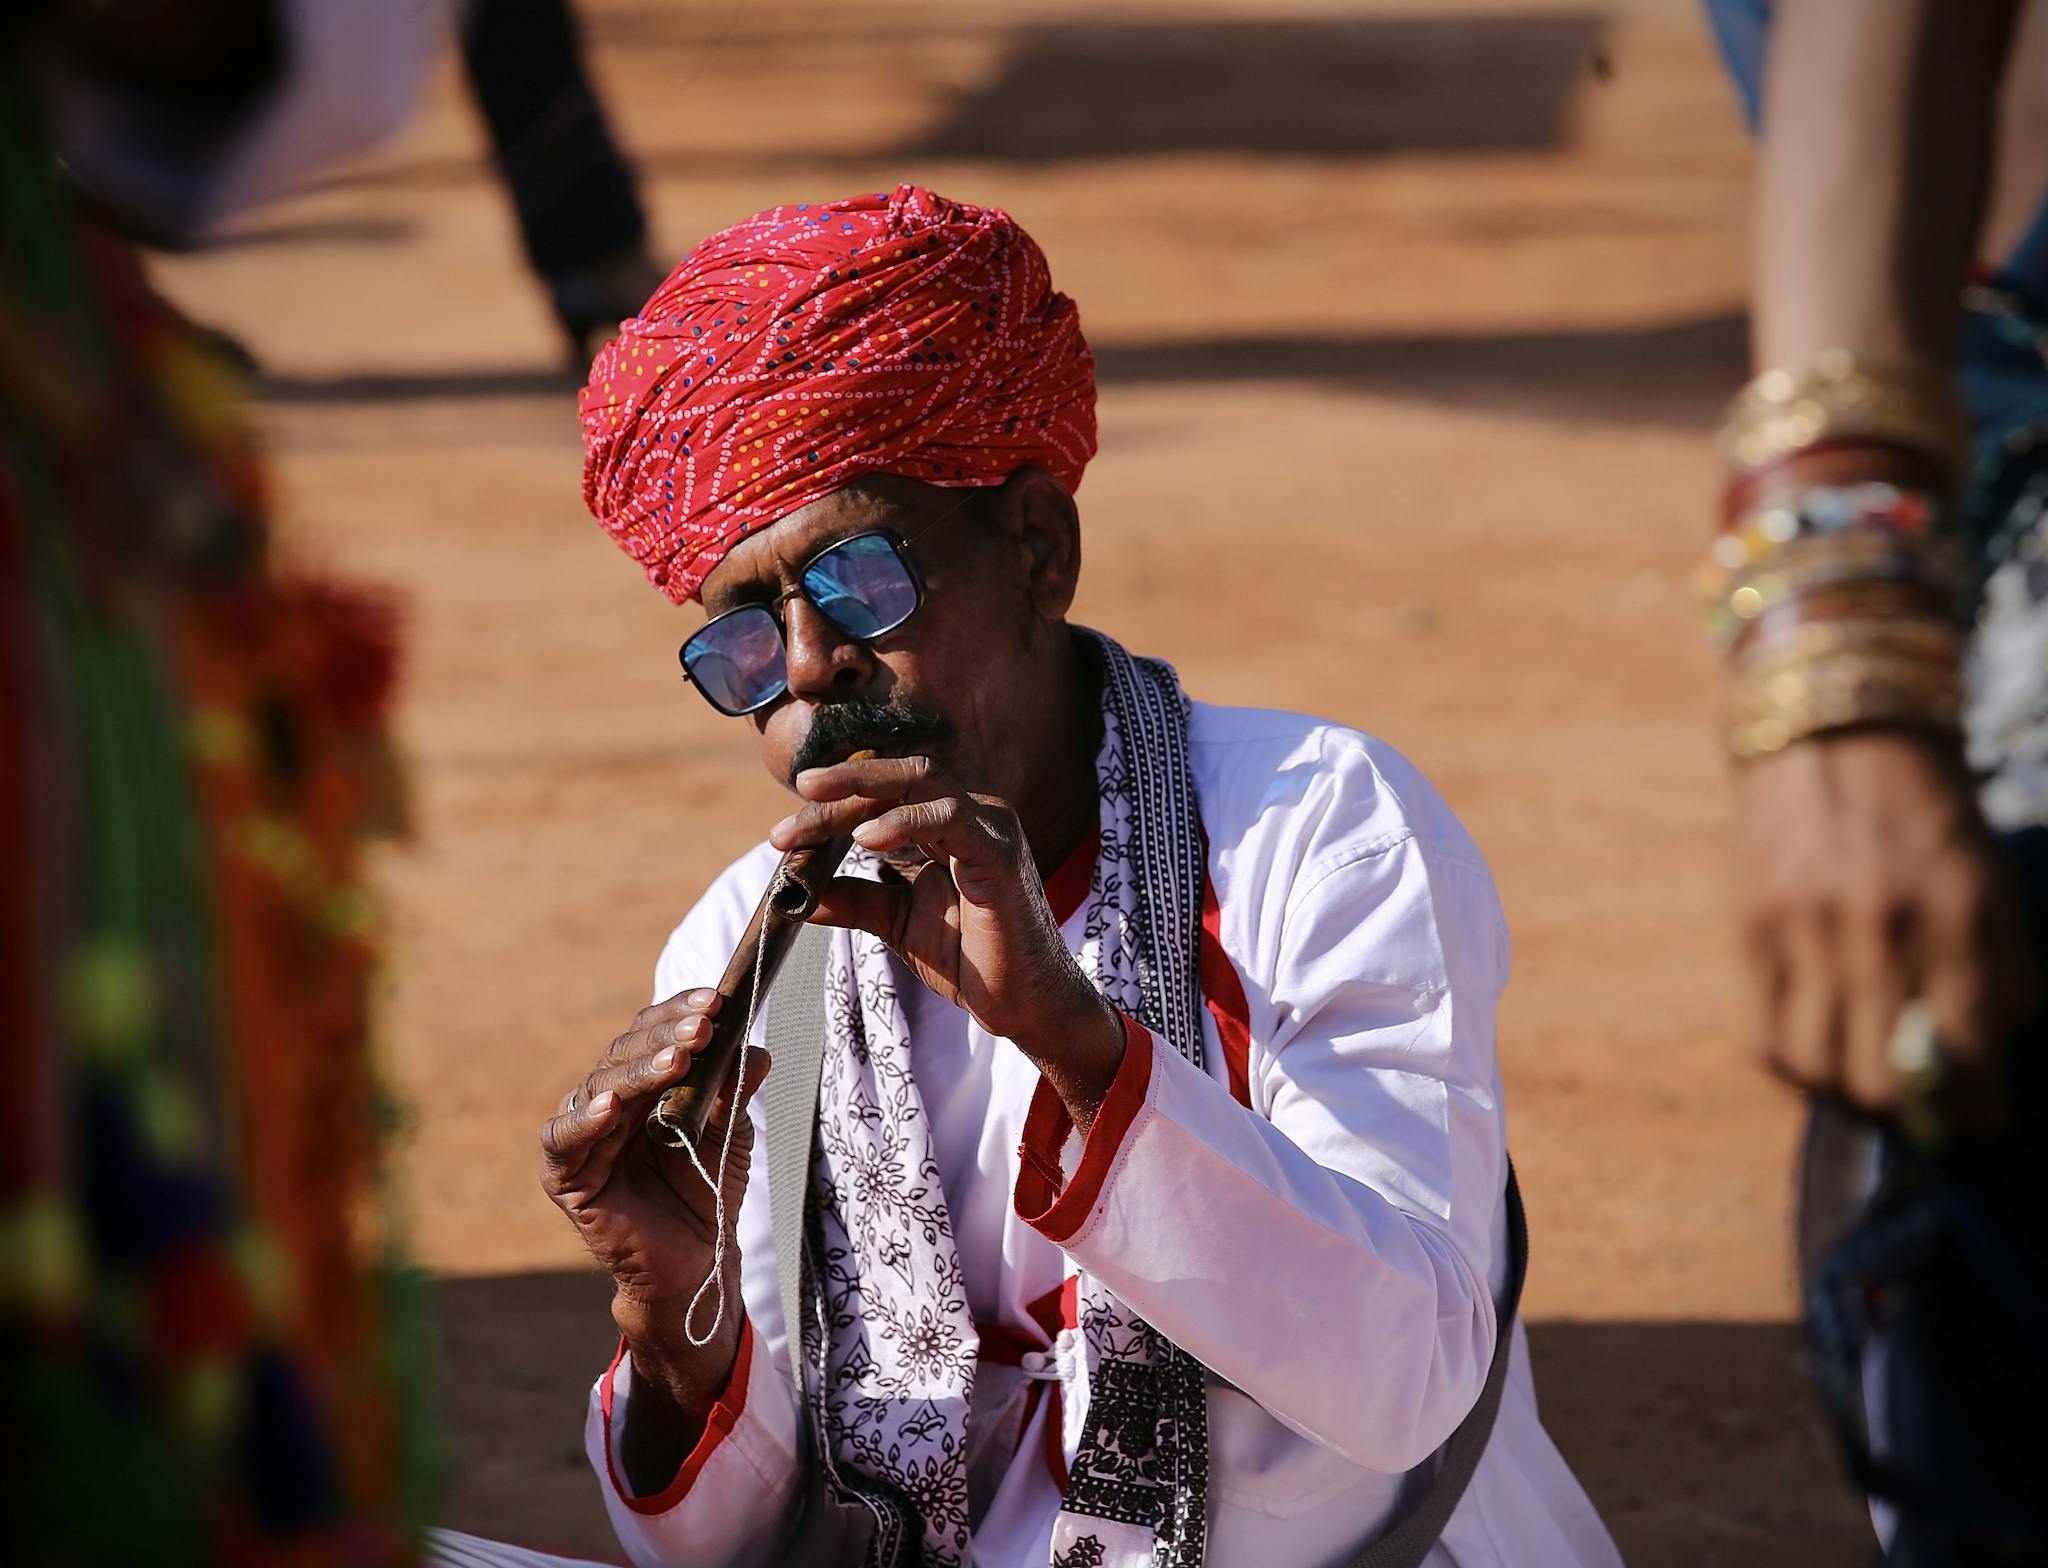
{"points": [[1067, 888]]}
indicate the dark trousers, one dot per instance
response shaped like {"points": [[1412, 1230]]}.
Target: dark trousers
{"points": [[1926, 1296], [570, 185]]}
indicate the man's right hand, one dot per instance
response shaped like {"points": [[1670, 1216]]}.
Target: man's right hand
{"points": [[649, 1219]]}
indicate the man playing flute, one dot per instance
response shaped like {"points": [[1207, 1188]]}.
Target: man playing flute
{"points": [[1159, 1201]]}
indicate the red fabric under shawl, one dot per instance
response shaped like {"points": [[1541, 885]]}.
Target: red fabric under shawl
{"points": [[809, 345]]}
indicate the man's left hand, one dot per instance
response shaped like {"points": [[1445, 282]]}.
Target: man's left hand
{"points": [[973, 923]]}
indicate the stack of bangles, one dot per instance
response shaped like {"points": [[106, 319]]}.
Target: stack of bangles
{"points": [[1834, 586]]}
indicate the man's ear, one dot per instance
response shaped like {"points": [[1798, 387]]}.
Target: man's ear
{"points": [[1045, 526]]}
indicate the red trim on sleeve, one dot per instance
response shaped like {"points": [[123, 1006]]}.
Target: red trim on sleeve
{"points": [[1067, 888], [725, 1414], [1040, 1199], [1223, 994]]}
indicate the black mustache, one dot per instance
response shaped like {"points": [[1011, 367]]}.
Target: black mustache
{"points": [[861, 723]]}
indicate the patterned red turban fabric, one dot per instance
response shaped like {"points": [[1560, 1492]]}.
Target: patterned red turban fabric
{"points": [[794, 352]]}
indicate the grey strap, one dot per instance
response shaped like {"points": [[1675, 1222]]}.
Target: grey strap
{"points": [[1409, 1542], [795, 1034]]}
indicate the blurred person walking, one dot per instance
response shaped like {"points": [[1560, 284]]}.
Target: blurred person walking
{"points": [[580, 218], [581, 224], [1880, 584]]}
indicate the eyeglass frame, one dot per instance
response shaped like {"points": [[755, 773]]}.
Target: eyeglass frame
{"points": [[899, 546]]}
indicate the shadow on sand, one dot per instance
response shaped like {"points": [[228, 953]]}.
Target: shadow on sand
{"points": [[1315, 87], [1666, 373], [1077, 91], [1695, 1439], [1674, 373]]}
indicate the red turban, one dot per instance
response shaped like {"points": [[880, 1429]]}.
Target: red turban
{"points": [[803, 348]]}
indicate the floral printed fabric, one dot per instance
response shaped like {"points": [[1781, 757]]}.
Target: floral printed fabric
{"points": [[888, 1337]]}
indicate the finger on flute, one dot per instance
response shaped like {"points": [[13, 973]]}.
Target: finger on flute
{"points": [[679, 1115]]}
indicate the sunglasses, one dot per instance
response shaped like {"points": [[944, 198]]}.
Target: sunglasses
{"points": [[865, 586]]}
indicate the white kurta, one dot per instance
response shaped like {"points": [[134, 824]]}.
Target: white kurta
{"points": [[1317, 1217]]}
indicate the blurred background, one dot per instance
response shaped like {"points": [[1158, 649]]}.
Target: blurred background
{"points": [[1413, 320]]}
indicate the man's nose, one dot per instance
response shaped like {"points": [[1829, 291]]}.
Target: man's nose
{"points": [[824, 663]]}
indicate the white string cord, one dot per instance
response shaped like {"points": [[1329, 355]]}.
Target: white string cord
{"points": [[715, 1280]]}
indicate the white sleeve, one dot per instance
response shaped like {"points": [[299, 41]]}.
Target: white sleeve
{"points": [[728, 1505], [1363, 1213]]}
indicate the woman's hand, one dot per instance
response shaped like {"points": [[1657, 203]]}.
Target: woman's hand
{"points": [[1868, 880]]}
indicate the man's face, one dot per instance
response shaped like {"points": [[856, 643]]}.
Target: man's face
{"points": [[951, 683]]}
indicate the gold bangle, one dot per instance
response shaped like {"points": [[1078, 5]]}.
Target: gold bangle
{"points": [[1917, 637], [1838, 396], [1771, 709], [1871, 599], [1827, 684], [1776, 682]]}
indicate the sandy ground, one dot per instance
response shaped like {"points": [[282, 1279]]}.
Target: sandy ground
{"points": [[1433, 305]]}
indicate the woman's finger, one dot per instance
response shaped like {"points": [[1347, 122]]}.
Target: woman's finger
{"points": [[1979, 989], [1879, 950], [1807, 1049], [1770, 984]]}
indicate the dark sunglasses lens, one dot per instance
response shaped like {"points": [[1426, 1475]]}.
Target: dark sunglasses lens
{"points": [[737, 660], [862, 586]]}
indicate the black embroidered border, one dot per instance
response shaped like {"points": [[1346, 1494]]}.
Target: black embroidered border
{"points": [[1145, 703]]}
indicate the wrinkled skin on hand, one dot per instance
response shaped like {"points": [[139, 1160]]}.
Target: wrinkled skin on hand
{"points": [[972, 922], [641, 1208]]}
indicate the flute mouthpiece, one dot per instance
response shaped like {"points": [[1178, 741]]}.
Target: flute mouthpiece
{"points": [[793, 900], [794, 893]]}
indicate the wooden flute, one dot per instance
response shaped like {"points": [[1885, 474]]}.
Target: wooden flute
{"points": [[679, 1115]]}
